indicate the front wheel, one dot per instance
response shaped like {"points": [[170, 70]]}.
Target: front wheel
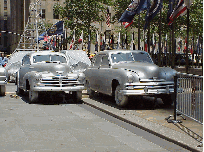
{"points": [[120, 99], [77, 95], [2, 90], [167, 99], [33, 96], [90, 92]]}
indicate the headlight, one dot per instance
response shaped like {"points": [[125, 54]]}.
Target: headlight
{"points": [[38, 76], [2, 71], [130, 77], [81, 76]]}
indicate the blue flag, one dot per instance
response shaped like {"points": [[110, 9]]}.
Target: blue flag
{"points": [[41, 36], [171, 4], [152, 10], [136, 7], [56, 29]]}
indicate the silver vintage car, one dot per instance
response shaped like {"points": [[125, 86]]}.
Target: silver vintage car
{"points": [[124, 73], [3, 80], [51, 72]]}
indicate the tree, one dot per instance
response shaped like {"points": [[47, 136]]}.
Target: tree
{"points": [[79, 15]]}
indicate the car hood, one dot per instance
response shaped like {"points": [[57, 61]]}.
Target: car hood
{"points": [[62, 69], [147, 70]]}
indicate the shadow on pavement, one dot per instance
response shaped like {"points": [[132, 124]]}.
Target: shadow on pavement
{"points": [[51, 98], [135, 102]]}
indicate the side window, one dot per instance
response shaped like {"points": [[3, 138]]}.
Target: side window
{"points": [[97, 61], [105, 62], [26, 60]]}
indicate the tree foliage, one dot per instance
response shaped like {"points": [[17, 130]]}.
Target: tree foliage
{"points": [[79, 15]]}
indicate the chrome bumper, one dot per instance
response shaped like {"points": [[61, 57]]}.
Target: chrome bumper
{"points": [[71, 88], [3, 80], [148, 88]]}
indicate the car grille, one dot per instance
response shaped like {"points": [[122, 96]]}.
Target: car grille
{"points": [[60, 82], [151, 84]]}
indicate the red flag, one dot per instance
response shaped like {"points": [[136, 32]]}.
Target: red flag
{"points": [[108, 18], [178, 10], [185, 45], [179, 49], [45, 38], [127, 24], [191, 50], [146, 47]]}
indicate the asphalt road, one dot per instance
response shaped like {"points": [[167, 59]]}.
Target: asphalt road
{"points": [[47, 126]]}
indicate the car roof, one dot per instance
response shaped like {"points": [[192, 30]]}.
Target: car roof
{"points": [[118, 50], [44, 53]]}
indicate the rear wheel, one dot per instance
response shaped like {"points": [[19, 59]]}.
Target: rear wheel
{"points": [[33, 96], [120, 99]]}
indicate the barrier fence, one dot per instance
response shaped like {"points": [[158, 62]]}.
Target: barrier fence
{"points": [[189, 96]]}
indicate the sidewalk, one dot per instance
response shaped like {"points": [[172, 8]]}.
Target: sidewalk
{"points": [[191, 70], [156, 124]]}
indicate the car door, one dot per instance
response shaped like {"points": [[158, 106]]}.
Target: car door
{"points": [[26, 67], [93, 73], [105, 75]]}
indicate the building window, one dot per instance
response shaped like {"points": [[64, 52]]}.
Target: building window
{"points": [[43, 13], [55, 16], [56, 0]]}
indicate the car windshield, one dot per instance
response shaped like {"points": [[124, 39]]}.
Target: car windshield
{"points": [[130, 57], [141, 57], [49, 59], [121, 57]]}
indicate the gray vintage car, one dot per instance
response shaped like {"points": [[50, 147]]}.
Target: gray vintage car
{"points": [[3, 80], [124, 73], [47, 71]]}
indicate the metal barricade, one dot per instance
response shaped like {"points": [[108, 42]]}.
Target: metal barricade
{"points": [[190, 96]]}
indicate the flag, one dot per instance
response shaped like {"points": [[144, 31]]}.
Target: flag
{"points": [[41, 36], [185, 45], [132, 42], [127, 24], [118, 47], [191, 50], [73, 40], [178, 10], [56, 29], [171, 4], [108, 18], [81, 38], [46, 38], [145, 46], [152, 10], [179, 49], [136, 7], [96, 45]]}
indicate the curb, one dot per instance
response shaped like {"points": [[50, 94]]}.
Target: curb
{"points": [[144, 128]]}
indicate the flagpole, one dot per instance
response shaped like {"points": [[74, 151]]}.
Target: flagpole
{"points": [[160, 38], [148, 38], [187, 40], [139, 33], [173, 46]]}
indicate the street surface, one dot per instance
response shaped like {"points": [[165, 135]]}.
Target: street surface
{"points": [[69, 127]]}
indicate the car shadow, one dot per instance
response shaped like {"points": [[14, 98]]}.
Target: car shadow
{"points": [[135, 102], [51, 98]]}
